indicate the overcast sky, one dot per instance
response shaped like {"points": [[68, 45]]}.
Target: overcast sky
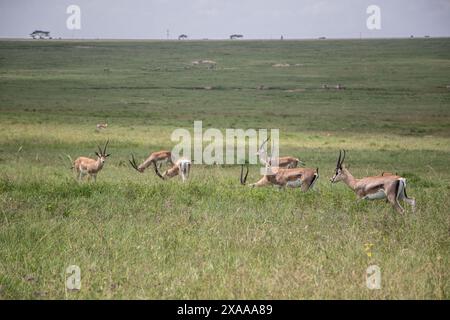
{"points": [[215, 19]]}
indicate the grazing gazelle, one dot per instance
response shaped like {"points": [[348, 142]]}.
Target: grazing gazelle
{"points": [[292, 177], [156, 158], [181, 167], [385, 186], [87, 166], [283, 162]]}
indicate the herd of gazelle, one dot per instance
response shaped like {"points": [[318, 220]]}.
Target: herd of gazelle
{"points": [[387, 185]]}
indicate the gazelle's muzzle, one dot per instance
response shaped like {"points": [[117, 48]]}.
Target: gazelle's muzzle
{"points": [[333, 178]]}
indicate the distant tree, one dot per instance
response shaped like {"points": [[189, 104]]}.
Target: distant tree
{"points": [[38, 34], [182, 36]]}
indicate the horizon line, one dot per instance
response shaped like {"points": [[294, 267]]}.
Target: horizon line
{"points": [[228, 39]]}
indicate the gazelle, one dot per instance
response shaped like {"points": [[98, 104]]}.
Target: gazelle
{"points": [[87, 166], [283, 162], [292, 177], [156, 158], [101, 126], [385, 186], [181, 167]]}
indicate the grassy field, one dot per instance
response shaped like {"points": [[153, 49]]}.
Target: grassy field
{"points": [[135, 236]]}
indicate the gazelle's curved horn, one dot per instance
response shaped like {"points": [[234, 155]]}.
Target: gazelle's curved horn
{"points": [[104, 149], [338, 163], [343, 158], [243, 179], [133, 163], [156, 170], [271, 151], [262, 144]]}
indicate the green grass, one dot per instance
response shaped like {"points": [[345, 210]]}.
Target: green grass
{"points": [[135, 236]]}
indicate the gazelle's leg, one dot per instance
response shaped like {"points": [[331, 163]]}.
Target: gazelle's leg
{"points": [[261, 183], [306, 185], [95, 177], [279, 188], [188, 170], [392, 198], [295, 183], [398, 207], [380, 194], [410, 201], [314, 180]]}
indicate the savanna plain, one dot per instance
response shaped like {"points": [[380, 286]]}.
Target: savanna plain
{"points": [[136, 236]]}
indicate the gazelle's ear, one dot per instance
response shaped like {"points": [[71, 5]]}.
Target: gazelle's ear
{"points": [[108, 155], [96, 153], [342, 166]]}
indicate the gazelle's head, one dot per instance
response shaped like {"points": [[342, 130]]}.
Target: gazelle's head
{"points": [[340, 171], [262, 151], [102, 155]]}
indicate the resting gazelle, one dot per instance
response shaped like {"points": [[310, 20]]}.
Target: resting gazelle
{"points": [[385, 186], [87, 166]]}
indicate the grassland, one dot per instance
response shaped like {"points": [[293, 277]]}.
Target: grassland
{"points": [[135, 236]]}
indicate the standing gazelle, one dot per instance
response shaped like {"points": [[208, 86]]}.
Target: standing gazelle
{"points": [[385, 186], [87, 166]]}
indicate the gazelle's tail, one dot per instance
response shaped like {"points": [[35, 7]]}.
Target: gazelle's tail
{"points": [[315, 178], [401, 188], [185, 168]]}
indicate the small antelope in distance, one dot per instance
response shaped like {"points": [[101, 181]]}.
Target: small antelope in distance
{"points": [[283, 162], [101, 126], [181, 167], [385, 186], [87, 166], [156, 158]]}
